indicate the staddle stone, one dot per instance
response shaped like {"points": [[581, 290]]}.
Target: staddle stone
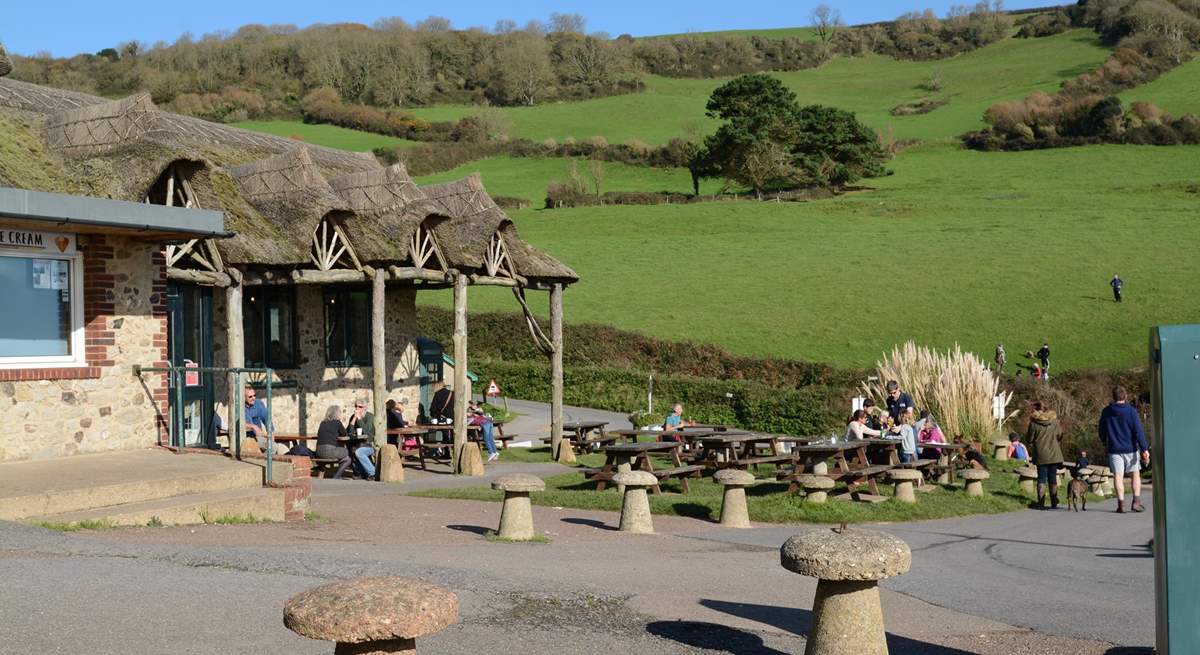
{"points": [[816, 487], [470, 461], [734, 512], [1000, 449], [635, 505], [847, 618], [1028, 478], [973, 479], [516, 514], [905, 480], [371, 615]]}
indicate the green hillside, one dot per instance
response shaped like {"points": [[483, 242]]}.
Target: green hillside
{"points": [[870, 86], [957, 246], [325, 135], [1177, 92]]}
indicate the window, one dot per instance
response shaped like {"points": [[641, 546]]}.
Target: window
{"points": [[42, 323], [269, 323], [347, 327]]}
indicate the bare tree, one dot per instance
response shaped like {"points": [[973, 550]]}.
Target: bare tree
{"points": [[434, 24], [523, 67], [567, 23], [825, 21], [505, 26], [596, 171], [391, 24]]}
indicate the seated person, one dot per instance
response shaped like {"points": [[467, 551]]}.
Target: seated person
{"points": [[673, 422], [257, 419], [327, 435], [873, 414], [930, 434], [395, 421], [1016, 449], [1081, 463], [856, 427], [362, 423], [486, 426]]}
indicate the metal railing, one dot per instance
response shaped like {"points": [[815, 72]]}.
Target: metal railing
{"points": [[176, 376]]}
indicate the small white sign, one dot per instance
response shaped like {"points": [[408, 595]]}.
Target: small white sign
{"points": [[55, 243]]}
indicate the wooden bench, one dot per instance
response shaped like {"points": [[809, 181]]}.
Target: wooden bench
{"points": [[855, 478]]}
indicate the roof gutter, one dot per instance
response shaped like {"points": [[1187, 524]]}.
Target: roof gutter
{"points": [[62, 210]]}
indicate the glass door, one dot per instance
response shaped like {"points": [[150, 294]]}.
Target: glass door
{"points": [[189, 320]]}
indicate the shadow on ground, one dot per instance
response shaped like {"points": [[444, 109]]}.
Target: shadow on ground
{"points": [[799, 622], [589, 522], [474, 529]]}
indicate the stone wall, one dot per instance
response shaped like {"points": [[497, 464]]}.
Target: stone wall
{"points": [[99, 407], [300, 408]]}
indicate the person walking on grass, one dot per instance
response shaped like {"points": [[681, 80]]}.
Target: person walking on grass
{"points": [[1123, 437], [1000, 358], [1117, 283], [1044, 437], [1043, 356]]}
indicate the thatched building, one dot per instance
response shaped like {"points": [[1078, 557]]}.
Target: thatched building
{"points": [[315, 277]]}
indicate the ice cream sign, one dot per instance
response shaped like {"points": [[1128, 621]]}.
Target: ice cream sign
{"points": [[52, 243]]}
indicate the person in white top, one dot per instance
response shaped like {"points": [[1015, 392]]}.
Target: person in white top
{"points": [[857, 427]]}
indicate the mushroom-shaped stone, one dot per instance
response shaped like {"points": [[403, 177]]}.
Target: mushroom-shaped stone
{"points": [[371, 615], [734, 513], [816, 487], [820, 468], [905, 480], [516, 514], [846, 616], [974, 480], [635, 505], [1027, 475], [1000, 449]]}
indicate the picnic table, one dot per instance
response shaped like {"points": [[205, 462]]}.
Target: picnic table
{"points": [[844, 454], [625, 457], [740, 450], [887, 445], [945, 462], [581, 428]]}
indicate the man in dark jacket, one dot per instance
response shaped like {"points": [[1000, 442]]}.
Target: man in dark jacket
{"points": [[1117, 283], [1123, 437], [897, 401]]}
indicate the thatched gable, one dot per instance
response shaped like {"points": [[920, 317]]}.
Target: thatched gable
{"points": [[390, 207], [94, 129], [378, 190]]}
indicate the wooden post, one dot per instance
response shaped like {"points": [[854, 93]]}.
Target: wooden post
{"points": [[561, 452], [236, 349], [379, 357], [460, 369]]}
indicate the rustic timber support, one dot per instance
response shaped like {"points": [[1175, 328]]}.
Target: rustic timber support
{"points": [[497, 281], [562, 452], [235, 346], [328, 277], [461, 395], [378, 358], [399, 273], [209, 278]]}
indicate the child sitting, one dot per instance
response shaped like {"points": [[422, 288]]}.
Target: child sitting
{"points": [[1081, 463], [1016, 449]]}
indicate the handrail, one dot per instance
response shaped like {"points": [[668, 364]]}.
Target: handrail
{"points": [[236, 431]]}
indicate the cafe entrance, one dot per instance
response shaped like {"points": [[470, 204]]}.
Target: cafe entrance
{"points": [[190, 344]]}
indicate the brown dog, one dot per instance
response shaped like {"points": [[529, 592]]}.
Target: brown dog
{"points": [[1077, 493]]}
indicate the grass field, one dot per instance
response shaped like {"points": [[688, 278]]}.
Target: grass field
{"points": [[957, 246], [767, 501], [527, 177], [869, 86], [330, 136], [1177, 92]]}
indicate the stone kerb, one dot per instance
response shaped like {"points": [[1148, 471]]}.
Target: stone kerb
{"points": [[635, 504], [816, 487], [371, 615], [905, 480], [973, 480], [734, 512], [846, 615], [1027, 476], [516, 514]]}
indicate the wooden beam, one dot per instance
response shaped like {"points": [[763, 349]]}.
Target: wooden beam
{"points": [[562, 452], [488, 280], [461, 395], [328, 277], [207, 278], [408, 273], [236, 356], [379, 357]]}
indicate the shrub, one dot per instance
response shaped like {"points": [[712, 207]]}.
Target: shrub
{"points": [[1041, 25], [922, 106]]}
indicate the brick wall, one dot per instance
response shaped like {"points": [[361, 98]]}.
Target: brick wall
{"points": [[52, 412]]}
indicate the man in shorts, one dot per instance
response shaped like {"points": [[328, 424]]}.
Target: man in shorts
{"points": [[1122, 435]]}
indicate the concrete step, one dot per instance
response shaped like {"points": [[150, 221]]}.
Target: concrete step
{"points": [[119, 481], [208, 507]]}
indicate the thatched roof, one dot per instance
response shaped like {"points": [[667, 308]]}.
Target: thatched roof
{"points": [[5, 62], [275, 191]]}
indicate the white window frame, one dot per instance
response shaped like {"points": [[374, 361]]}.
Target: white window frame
{"points": [[78, 356]]}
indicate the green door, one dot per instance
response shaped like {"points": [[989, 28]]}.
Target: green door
{"points": [[190, 344]]}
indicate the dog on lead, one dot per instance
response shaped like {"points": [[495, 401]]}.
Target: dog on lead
{"points": [[1077, 494]]}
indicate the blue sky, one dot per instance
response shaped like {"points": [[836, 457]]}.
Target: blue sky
{"points": [[66, 27]]}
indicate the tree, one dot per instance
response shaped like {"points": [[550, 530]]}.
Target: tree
{"points": [[826, 21], [505, 26], [522, 68], [567, 23], [434, 24], [833, 148]]}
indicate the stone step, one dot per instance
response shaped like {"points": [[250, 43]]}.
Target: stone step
{"points": [[128, 481], [209, 507]]}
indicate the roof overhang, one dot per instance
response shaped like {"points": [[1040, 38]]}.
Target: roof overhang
{"points": [[103, 216]]}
